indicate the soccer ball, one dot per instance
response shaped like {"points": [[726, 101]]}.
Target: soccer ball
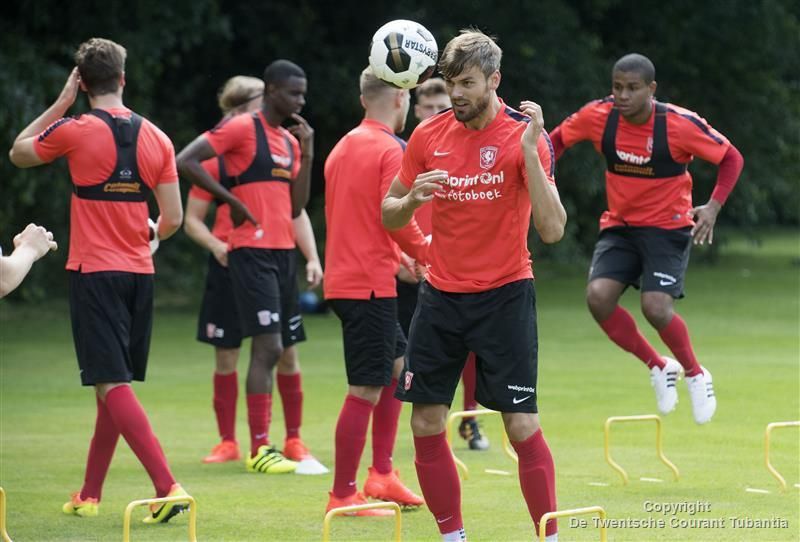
{"points": [[403, 53]]}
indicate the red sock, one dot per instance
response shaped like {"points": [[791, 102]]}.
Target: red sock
{"points": [[676, 336], [291, 389], [129, 417], [537, 477], [468, 376], [259, 411], [226, 393], [439, 481], [621, 328], [384, 428], [351, 435], [101, 450]]}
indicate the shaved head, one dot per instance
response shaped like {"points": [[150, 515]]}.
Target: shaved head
{"points": [[636, 63]]}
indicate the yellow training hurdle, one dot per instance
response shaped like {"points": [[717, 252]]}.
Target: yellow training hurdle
{"points": [[398, 517], [659, 448], [598, 510], [461, 414], [767, 435], [126, 522]]}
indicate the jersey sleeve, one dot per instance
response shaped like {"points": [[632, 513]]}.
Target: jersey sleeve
{"points": [[227, 135], [212, 168], [585, 124], [691, 135], [391, 162], [57, 140], [168, 172], [413, 162], [544, 148]]}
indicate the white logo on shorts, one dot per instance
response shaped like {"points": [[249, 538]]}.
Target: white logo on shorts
{"points": [[518, 401], [266, 318], [666, 280]]}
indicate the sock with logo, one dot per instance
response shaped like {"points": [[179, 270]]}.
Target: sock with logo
{"points": [[131, 420], [537, 478], [351, 435], [468, 377], [676, 336], [384, 428], [226, 393], [621, 328], [101, 451], [291, 389], [259, 411], [438, 479]]}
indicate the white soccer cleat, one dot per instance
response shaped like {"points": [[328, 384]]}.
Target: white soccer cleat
{"points": [[311, 466], [701, 392], [663, 382]]}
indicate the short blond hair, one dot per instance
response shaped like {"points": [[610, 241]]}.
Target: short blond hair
{"points": [[100, 63], [237, 92], [370, 86], [469, 49]]}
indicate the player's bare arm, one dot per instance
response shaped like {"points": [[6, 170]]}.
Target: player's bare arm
{"points": [[549, 216], [195, 227], [22, 153], [304, 233], [705, 216], [400, 202], [188, 162], [301, 187], [170, 218]]}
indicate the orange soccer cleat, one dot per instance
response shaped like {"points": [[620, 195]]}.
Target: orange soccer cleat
{"points": [[227, 450], [388, 487], [354, 500]]}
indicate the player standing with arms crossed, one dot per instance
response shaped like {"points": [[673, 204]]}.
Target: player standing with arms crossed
{"points": [[646, 233], [486, 168], [116, 160], [218, 323], [270, 171]]}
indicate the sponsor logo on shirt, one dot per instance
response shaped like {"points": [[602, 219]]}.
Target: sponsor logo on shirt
{"points": [[488, 155], [481, 182], [282, 173], [632, 158], [123, 188]]}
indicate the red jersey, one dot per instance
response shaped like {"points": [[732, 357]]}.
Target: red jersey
{"points": [[480, 221], [360, 256], [638, 195], [262, 161], [107, 235], [223, 225]]}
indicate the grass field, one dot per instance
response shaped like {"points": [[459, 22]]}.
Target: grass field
{"points": [[743, 314]]}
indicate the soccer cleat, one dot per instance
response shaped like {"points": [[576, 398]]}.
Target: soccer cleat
{"points": [[471, 432], [663, 382], [354, 500], [227, 450], [84, 508], [701, 392], [163, 512], [388, 487], [269, 461], [296, 450]]}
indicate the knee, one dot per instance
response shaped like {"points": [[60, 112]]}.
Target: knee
{"points": [[657, 310], [226, 360], [367, 393], [520, 426], [289, 362], [600, 301], [427, 422]]}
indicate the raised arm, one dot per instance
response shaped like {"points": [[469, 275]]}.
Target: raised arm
{"points": [[549, 216], [301, 187], [400, 202], [22, 153]]}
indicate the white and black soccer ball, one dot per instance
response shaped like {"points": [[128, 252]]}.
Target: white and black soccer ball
{"points": [[403, 53]]}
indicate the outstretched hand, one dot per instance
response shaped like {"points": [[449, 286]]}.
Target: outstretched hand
{"points": [[705, 216]]}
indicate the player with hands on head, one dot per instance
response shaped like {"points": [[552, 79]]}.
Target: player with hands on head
{"points": [[648, 230]]}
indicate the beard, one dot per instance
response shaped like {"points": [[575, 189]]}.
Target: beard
{"points": [[474, 111]]}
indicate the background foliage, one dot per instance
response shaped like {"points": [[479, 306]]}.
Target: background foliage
{"points": [[735, 62]]}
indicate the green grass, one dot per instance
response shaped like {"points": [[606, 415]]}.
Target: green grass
{"points": [[743, 315]]}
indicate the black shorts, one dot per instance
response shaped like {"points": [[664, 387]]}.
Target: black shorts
{"points": [[218, 323], [112, 318], [499, 325], [653, 259], [406, 303], [372, 339], [265, 289]]}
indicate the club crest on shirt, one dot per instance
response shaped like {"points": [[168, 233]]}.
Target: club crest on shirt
{"points": [[650, 144], [488, 156], [283, 161]]}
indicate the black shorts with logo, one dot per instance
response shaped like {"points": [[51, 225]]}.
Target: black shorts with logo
{"points": [[112, 319], [406, 303], [218, 323], [372, 339], [265, 289], [499, 325], [653, 259]]}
